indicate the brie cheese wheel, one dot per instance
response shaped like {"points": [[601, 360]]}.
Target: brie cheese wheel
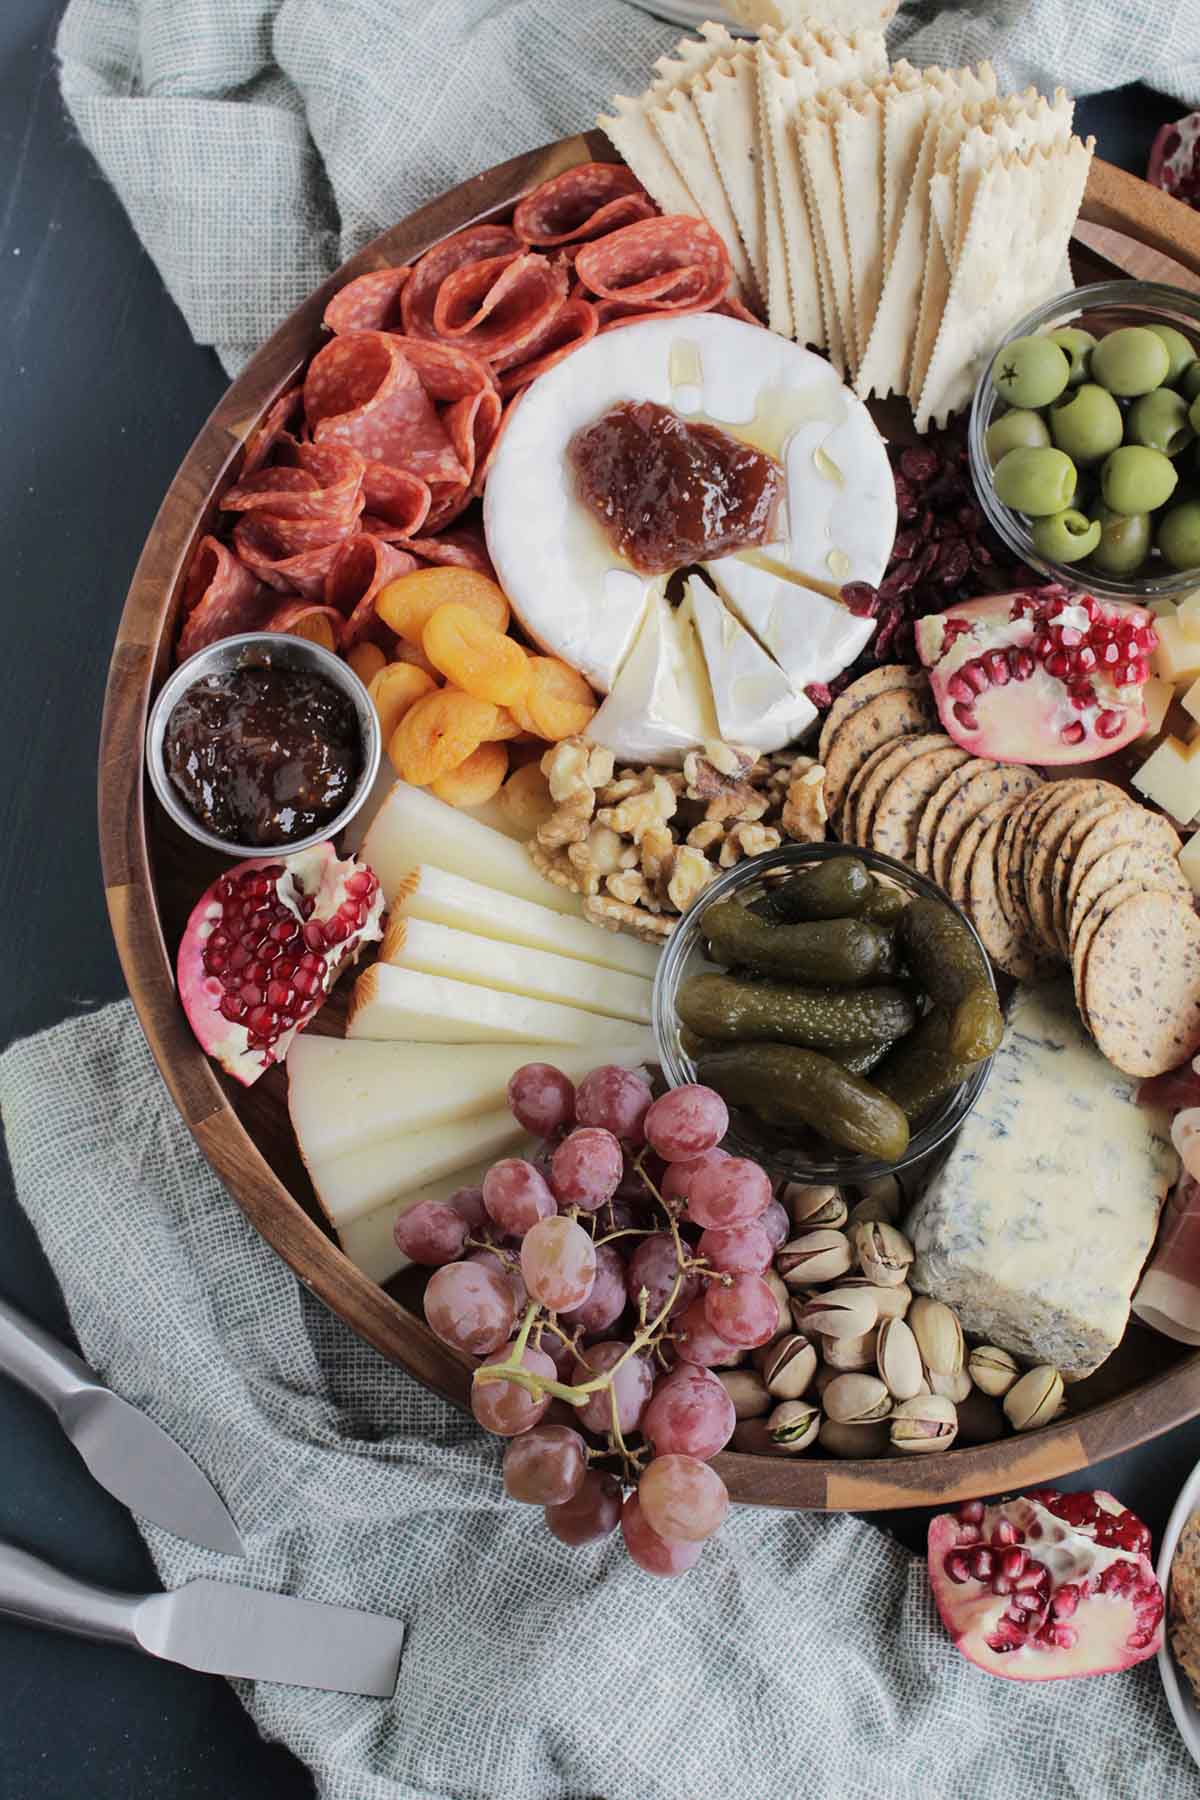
{"points": [[580, 600]]}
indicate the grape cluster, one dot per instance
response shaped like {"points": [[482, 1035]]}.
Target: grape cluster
{"points": [[599, 1283]]}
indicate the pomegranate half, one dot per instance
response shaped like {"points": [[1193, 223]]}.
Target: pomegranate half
{"points": [[263, 947], [1041, 676], [1175, 159], [1047, 1585]]}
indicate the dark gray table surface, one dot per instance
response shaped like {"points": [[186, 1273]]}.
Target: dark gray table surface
{"points": [[103, 391]]}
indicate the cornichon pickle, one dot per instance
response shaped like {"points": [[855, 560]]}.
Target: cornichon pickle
{"points": [[788, 1085], [923, 1069], [835, 952], [883, 905], [727, 1006], [944, 957], [835, 889]]}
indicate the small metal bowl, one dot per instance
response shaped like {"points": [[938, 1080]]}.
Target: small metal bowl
{"points": [[256, 649], [771, 1145]]}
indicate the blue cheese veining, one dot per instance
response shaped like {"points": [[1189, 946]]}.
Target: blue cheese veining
{"points": [[1036, 1227]]}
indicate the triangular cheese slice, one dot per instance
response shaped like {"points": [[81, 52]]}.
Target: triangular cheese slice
{"points": [[756, 703], [660, 706], [811, 635]]}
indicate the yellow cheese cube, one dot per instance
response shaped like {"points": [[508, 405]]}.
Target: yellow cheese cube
{"points": [[1157, 696], [1190, 699], [1162, 609], [1178, 656], [1171, 778], [1187, 614], [1189, 862]]}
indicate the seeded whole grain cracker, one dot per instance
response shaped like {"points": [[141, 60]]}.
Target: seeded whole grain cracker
{"points": [[845, 823], [936, 805], [871, 791], [1064, 861], [1008, 945], [958, 874], [889, 715], [1090, 925], [1012, 891], [876, 681], [894, 830], [1002, 781], [1150, 831], [1024, 849], [1078, 799], [1126, 862], [1041, 846], [1141, 988]]}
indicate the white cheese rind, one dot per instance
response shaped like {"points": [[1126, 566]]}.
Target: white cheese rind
{"points": [[1036, 1227], [391, 1003], [515, 969]]}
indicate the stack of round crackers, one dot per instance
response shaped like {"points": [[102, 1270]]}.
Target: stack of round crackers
{"points": [[1071, 870]]}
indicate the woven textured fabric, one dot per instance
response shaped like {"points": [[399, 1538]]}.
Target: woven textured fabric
{"points": [[801, 1655], [257, 143]]}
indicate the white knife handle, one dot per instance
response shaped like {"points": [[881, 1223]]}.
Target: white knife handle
{"points": [[41, 1595], [38, 1361]]}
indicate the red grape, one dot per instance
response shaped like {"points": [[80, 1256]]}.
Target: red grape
{"points": [[619, 1215], [650, 1552], [591, 1512], [586, 1169], [510, 1270], [561, 1354], [606, 1302], [505, 1407], [546, 1466], [516, 1195], [558, 1261], [540, 1098], [431, 1232], [683, 1500], [677, 1180], [654, 1266], [470, 1307], [725, 1193], [686, 1122], [689, 1412], [697, 1342], [614, 1098], [468, 1204], [743, 1249], [745, 1312], [775, 1222], [632, 1385]]}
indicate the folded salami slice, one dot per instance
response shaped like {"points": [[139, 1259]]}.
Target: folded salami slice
{"points": [[257, 543], [364, 390], [267, 432], [307, 619], [362, 566], [582, 203], [674, 264], [572, 325], [395, 503], [479, 243], [305, 481], [482, 289], [221, 597], [368, 303], [462, 548]]}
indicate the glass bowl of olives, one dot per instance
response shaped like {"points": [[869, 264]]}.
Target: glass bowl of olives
{"points": [[1085, 439], [842, 1004]]}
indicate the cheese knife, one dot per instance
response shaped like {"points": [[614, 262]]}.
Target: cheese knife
{"points": [[125, 1451], [213, 1626]]}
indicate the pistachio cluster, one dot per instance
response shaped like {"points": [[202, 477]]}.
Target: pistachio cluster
{"points": [[862, 1366]]}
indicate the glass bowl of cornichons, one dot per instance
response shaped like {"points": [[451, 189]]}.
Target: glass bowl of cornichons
{"points": [[842, 1005]]}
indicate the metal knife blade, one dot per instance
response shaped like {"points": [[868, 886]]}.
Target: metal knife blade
{"points": [[126, 1452]]}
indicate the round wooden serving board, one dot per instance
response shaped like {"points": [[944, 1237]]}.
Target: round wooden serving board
{"points": [[153, 875]]}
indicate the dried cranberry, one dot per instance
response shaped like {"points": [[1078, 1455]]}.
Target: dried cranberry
{"points": [[819, 692], [861, 599], [919, 463]]}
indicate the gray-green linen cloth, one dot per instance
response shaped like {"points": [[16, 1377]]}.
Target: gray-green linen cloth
{"points": [[255, 143]]}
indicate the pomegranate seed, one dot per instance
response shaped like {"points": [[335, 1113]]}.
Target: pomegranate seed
{"points": [[969, 1534], [258, 971], [1126, 674], [219, 939], [1084, 660], [982, 1567], [310, 960], [336, 930], [1073, 733], [1001, 1584], [966, 717], [231, 1007], [279, 995], [268, 952], [262, 1021], [1022, 1603], [225, 888], [1080, 695], [1065, 1601], [1021, 664], [284, 930], [285, 968], [997, 667], [1058, 665], [976, 676], [258, 886], [1109, 654], [239, 956], [1012, 1563], [1042, 646], [971, 1512], [1006, 1638], [959, 688], [1031, 1578], [252, 994], [1005, 1533], [361, 883], [1109, 724], [1070, 636], [306, 982], [956, 1566], [1146, 639], [1062, 1636], [1090, 606], [314, 937], [214, 961]]}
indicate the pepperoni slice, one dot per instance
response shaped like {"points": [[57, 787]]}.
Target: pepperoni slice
{"points": [[221, 597], [368, 303], [271, 426], [582, 203], [301, 572], [308, 481], [575, 322], [363, 566], [363, 390], [482, 289], [395, 503], [305, 618], [675, 264], [477, 244]]}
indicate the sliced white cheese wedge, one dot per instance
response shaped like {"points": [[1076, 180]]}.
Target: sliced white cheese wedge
{"points": [[343, 1095], [349, 1186], [369, 1241], [413, 827], [808, 634], [515, 969], [661, 704], [446, 899], [430, 1009], [756, 703]]}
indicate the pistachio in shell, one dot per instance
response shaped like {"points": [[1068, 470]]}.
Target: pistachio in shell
{"points": [[852, 1353], [890, 1302], [793, 1426], [878, 1200], [955, 1387], [857, 1399], [789, 1366], [812, 1206], [939, 1335], [748, 1391], [928, 1423], [898, 1359], [884, 1253], [813, 1257], [993, 1370], [840, 1313], [1035, 1399], [783, 1299]]}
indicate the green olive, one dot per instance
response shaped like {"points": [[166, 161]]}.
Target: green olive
{"points": [[1018, 429], [1030, 371], [1064, 537], [1179, 349], [1124, 541], [1160, 421], [1034, 481], [1179, 535], [1077, 347], [1087, 424], [1083, 492], [1137, 480], [1194, 415], [1130, 361], [1189, 382]]}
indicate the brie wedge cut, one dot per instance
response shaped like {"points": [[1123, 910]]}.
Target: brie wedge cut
{"points": [[807, 633], [514, 969], [661, 704], [432, 1009], [756, 703]]}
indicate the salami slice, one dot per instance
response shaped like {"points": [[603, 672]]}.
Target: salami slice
{"points": [[498, 306], [363, 390], [266, 433], [307, 481], [478, 243], [364, 566], [733, 308], [582, 203], [221, 597], [368, 303], [395, 503], [302, 572], [462, 548], [575, 322], [674, 264], [307, 619]]}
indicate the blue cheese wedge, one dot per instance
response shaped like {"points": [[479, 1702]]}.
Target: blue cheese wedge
{"points": [[1036, 1226]]}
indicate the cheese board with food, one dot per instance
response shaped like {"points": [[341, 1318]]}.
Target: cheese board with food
{"points": [[666, 895]]}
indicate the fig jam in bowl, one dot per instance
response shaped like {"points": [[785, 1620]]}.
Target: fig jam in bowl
{"points": [[262, 742], [790, 1152]]}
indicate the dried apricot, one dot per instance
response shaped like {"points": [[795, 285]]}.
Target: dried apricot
{"points": [[366, 660], [438, 733], [558, 703], [394, 689], [506, 727], [408, 603], [475, 779], [476, 658], [525, 799]]}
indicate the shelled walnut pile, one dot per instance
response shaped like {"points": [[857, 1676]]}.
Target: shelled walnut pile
{"points": [[640, 844]]}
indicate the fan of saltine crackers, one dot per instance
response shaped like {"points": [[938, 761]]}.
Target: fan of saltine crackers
{"points": [[899, 219]]}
